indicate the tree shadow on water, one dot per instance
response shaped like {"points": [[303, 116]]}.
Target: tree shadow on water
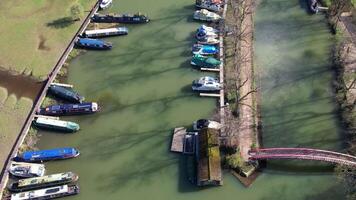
{"points": [[61, 22]]}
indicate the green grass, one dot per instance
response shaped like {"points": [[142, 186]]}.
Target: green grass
{"points": [[34, 33], [13, 113]]}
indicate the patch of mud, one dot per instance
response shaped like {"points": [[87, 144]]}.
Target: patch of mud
{"points": [[42, 44], [20, 85]]}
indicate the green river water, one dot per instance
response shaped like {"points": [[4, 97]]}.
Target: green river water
{"points": [[143, 86]]}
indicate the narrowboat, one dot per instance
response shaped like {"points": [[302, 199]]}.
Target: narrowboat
{"points": [[206, 4], [94, 44], [104, 4], [204, 49], [70, 109], [49, 154], [55, 124], [43, 182], [125, 18], [205, 123], [206, 84], [106, 32], [313, 6], [26, 170], [66, 94], [47, 193], [203, 61], [205, 15]]}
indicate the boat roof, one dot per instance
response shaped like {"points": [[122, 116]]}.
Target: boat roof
{"points": [[91, 41], [48, 153], [45, 179], [80, 105], [107, 30], [39, 193], [49, 121]]}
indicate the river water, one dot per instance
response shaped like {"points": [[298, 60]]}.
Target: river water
{"points": [[143, 86]]}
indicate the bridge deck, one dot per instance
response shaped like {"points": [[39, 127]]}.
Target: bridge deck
{"points": [[303, 154]]}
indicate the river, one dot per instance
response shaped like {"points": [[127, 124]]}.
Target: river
{"points": [[143, 86]]}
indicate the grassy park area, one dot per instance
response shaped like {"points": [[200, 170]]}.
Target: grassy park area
{"points": [[34, 33]]}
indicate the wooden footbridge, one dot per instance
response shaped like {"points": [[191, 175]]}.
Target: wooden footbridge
{"points": [[302, 154]]}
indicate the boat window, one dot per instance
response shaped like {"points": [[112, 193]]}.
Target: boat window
{"points": [[52, 190]]}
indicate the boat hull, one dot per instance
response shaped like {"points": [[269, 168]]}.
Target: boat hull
{"points": [[55, 128], [66, 94], [49, 155]]}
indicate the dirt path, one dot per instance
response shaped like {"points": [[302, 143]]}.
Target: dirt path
{"points": [[349, 56], [246, 125]]}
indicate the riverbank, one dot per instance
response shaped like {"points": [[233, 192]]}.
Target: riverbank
{"points": [[24, 137], [345, 86]]}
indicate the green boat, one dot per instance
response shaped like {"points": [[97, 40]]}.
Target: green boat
{"points": [[43, 182], [204, 61], [55, 124]]}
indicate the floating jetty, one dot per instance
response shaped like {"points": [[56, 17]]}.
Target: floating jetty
{"points": [[178, 139], [210, 69], [209, 95]]}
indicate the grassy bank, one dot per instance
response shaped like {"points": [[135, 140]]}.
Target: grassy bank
{"points": [[13, 112], [34, 33]]}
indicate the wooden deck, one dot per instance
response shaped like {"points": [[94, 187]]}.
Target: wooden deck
{"points": [[209, 95], [178, 139], [210, 69]]}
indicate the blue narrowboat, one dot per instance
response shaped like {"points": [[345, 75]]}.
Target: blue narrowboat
{"points": [[66, 94], [125, 18], [49, 154], [96, 44], [70, 109]]}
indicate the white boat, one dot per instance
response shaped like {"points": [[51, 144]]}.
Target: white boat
{"points": [[209, 6], [47, 193], [56, 124], [208, 40], [208, 29], [205, 123], [206, 84], [202, 35], [206, 15], [26, 170], [106, 32], [105, 4]]}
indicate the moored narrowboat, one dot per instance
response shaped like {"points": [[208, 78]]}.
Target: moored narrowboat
{"points": [[125, 18], [26, 170], [70, 109], [66, 94], [55, 124], [106, 32], [49, 154], [47, 193], [95, 44], [43, 181]]}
